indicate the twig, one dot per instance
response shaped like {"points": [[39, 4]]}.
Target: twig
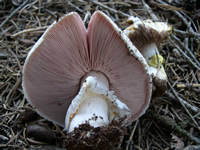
{"points": [[111, 9], [17, 60], [196, 30], [80, 10], [131, 136], [193, 108], [13, 13], [5, 31], [194, 78], [150, 12], [118, 2], [192, 147], [184, 33], [171, 124], [187, 57], [186, 48], [47, 147], [187, 85], [182, 18], [3, 56], [29, 30], [11, 92], [86, 17], [176, 95]]}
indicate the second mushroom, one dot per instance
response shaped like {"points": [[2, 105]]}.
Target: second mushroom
{"points": [[146, 36]]}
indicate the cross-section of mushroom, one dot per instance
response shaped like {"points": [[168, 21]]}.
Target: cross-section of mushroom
{"points": [[146, 36], [74, 76]]}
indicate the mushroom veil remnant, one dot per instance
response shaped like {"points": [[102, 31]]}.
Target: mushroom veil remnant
{"points": [[74, 76], [146, 36]]}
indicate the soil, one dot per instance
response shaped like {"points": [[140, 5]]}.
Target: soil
{"points": [[100, 138]]}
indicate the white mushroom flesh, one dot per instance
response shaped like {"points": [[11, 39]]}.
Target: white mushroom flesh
{"points": [[95, 104]]}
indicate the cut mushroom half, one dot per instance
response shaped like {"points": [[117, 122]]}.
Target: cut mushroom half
{"points": [[146, 36], [74, 76]]}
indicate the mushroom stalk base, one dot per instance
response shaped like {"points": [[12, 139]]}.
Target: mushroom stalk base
{"points": [[95, 104], [93, 111]]}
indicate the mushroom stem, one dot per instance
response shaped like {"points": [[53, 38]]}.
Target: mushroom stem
{"points": [[94, 111], [149, 51], [94, 108], [95, 104], [154, 60]]}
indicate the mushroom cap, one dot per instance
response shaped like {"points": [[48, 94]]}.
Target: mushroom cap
{"points": [[67, 51], [143, 33]]}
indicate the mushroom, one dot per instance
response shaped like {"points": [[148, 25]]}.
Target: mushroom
{"points": [[74, 76], [146, 36]]}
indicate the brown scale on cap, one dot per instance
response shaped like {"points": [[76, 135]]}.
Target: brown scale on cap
{"points": [[144, 36]]}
